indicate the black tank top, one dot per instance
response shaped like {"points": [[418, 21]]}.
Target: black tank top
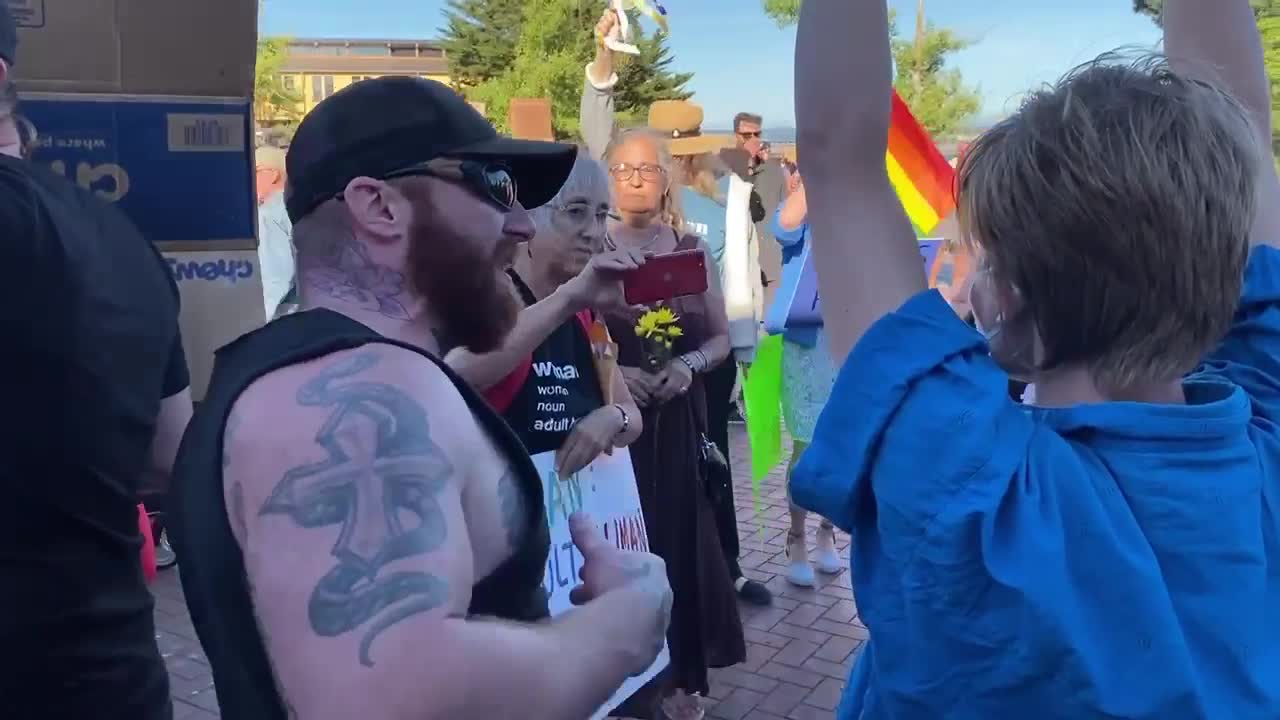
{"points": [[213, 573], [562, 387]]}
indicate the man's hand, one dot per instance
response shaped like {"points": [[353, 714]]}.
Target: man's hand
{"points": [[591, 437], [641, 576], [599, 285], [674, 381], [642, 385]]}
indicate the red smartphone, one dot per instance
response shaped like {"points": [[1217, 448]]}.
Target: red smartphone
{"points": [[665, 277]]}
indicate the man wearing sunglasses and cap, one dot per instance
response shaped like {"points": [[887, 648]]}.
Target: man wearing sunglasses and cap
{"points": [[361, 535]]}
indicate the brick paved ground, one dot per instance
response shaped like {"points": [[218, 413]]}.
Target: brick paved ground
{"points": [[798, 651]]}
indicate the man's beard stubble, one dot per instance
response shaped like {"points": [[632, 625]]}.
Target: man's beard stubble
{"points": [[467, 291]]}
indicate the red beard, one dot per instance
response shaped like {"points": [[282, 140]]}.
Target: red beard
{"points": [[466, 289]]}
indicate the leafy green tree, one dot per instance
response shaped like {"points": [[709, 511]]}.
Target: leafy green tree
{"points": [[1155, 7], [271, 99], [480, 38], [936, 94], [784, 12], [647, 77], [557, 40], [548, 62]]}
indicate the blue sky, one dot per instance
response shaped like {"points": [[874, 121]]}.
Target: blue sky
{"points": [[742, 61]]}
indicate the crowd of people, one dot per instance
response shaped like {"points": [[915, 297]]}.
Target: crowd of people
{"points": [[361, 529]]}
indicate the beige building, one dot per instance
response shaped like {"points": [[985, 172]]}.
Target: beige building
{"points": [[316, 68]]}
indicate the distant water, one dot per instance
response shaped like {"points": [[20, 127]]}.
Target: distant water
{"points": [[784, 136]]}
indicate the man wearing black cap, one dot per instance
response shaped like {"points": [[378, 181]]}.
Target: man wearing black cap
{"points": [[361, 535], [94, 386]]}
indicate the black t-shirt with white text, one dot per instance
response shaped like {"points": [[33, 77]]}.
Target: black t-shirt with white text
{"points": [[562, 387], [89, 320]]}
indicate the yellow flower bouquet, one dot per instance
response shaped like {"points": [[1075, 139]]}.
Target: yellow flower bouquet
{"points": [[658, 329]]}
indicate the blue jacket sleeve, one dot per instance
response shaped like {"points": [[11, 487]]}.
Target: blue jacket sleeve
{"points": [[1250, 354], [785, 237]]}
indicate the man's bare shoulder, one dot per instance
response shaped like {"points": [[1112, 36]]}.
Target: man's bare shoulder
{"points": [[373, 375], [378, 398]]}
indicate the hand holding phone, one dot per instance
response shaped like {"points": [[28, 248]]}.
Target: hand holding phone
{"points": [[665, 277]]}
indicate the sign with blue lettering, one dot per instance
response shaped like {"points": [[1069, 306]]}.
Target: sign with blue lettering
{"points": [[180, 168]]}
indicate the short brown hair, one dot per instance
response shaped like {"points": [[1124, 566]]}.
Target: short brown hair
{"points": [[1118, 202], [746, 117]]}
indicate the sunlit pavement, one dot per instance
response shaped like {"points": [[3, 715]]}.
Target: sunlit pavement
{"points": [[798, 651]]}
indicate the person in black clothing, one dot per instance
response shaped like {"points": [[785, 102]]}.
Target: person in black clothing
{"points": [[95, 396], [544, 379], [361, 535]]}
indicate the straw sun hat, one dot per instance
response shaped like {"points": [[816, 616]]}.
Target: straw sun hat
{"points": [[680, 121]]}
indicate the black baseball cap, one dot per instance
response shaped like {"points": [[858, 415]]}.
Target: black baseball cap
{"points": [[8, 35], [375, 127]]}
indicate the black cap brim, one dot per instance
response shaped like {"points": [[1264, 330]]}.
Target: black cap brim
{"points": [[539, 168]]}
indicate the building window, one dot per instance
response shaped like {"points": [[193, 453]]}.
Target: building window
{"points": [[321, 87], [290, 83], [375, 50], [430, 52], [404, 51]]}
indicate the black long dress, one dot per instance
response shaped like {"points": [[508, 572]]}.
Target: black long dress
{"points": [[706, 629]]}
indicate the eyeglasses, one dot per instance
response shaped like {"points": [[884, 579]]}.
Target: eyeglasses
{"points": [[623, 172], [749, 135], [581, 213], [491, 181]]}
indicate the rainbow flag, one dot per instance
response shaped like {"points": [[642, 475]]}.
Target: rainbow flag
{"points": [[922, 177]]}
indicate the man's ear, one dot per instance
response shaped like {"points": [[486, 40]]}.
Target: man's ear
{"points": [[378, 209]]}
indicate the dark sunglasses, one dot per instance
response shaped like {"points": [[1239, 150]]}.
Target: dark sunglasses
{"points": [[491, 181], [749, 135]]}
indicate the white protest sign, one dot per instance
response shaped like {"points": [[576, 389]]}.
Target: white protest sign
{"points": [[605, 490]]}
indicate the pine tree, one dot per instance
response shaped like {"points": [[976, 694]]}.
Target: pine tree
{"points": [[480, 38], [647, 77], [556, 42]]}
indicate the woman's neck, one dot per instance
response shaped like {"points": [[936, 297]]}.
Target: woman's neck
{"points": [[638, 221]]}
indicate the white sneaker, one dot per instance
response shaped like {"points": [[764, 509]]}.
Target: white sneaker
{"points": [[829, 561], [799, 571]]}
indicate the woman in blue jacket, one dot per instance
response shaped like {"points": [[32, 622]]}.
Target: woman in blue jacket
{"points": [[807, 377]]}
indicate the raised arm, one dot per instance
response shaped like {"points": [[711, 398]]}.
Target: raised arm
{"points": [[867, 259], [1218, 40], [361, 558], [595, 115]]}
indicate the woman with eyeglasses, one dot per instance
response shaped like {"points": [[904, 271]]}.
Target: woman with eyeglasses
{"points": [[673, 459], [544, 379]]}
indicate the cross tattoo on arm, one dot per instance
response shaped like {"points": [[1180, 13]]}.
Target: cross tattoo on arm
{"points": [[379, 482]]}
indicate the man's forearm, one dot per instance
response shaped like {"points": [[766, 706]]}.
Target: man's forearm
{"points": [[563, 669], [534, 325]]}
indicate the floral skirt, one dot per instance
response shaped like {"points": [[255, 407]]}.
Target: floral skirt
{"points": [[808, 375]]}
